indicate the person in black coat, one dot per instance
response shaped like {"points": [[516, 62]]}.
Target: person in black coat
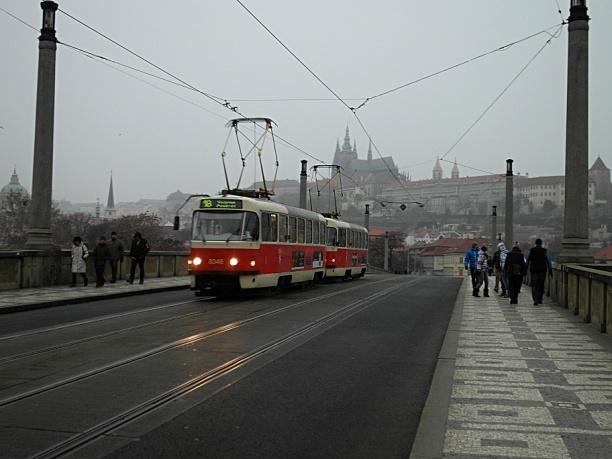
{"points": [[138, 252], [515, 269], [538, 263], [101, 255]]}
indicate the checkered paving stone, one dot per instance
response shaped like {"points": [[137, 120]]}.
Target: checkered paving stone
{"points": [[528, 383]]}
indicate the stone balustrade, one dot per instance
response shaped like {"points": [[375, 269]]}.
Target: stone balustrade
{"points": [[586, 290], [33, 268]]}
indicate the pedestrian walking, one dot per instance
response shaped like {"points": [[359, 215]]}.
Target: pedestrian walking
{"points": [[138, 252], [482, 268], [514, 270], [470, 260], [538, 264], [101, 256], [499, 260], [116, 255], [78, 255]]}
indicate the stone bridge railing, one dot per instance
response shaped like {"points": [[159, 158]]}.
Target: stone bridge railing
{"points": [[32, 268], [586, 290]]}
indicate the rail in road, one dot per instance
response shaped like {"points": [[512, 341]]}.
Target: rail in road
{"points": [[86, 379]]}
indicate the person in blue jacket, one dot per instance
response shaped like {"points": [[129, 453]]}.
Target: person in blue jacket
{"points": [[470, 260]]}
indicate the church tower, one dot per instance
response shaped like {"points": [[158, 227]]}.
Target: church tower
{"points": [[110, 211], [370, 152], [437, 170], [455, 171]]}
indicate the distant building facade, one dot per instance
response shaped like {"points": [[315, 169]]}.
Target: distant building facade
{"points": [[475, 195]]}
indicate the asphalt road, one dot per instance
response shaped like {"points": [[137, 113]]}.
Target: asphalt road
{"points": [[357, 390], [341, 370]]}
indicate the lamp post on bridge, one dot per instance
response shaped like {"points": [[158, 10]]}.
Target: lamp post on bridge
{"points": [[575, 244], [39, 235], [493, 225], [509, 217]]}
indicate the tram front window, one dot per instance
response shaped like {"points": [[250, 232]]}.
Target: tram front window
{"points": [[225, 226]]}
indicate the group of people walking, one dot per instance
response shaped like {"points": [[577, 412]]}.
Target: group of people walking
{"points": [[509, 267], [108, 251]]}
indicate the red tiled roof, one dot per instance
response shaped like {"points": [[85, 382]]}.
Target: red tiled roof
{"points": [[604, 254], [444, 246]]}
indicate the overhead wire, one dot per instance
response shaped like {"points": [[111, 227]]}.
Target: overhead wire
{"points": [[219, 100], [214, 98], [472, 168], [279, 41], [501, 94], [18, 19], [106, 61], [334, 93], [452, 67]]}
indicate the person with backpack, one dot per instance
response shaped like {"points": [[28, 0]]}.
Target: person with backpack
{"points": [[499, 261], [482, 268], [515, 269], [538, 263], [470, 260]]}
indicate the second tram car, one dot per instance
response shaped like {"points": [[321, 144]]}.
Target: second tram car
{"points": [[346, 251]]}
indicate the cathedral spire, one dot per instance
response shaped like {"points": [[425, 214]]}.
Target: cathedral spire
{"points": [[346, 146], [337, 146], [437, 170], [455, 171], [110, 203], [370, 151], [355, 148]]}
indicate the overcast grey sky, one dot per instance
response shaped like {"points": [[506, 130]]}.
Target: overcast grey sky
{"points": [[155, 143]]}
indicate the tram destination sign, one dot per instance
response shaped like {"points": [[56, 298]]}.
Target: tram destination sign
{"points": [[220, 204]]}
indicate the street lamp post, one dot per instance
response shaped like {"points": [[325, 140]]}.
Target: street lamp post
{"points": [[403, 204], [493, 225], [509, 236], [39, 235], [575, 244]]}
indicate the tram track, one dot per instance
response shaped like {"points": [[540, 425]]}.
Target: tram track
{"points": [[113, 423], [170, 346], [79, 323]]}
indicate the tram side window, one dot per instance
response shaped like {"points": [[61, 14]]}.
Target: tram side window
{"points": [[332, 236], [322, 232], [315, 232], [308, 232], [292, 229], [301, 230], [283, 233], [269, 227], [342, 237]]}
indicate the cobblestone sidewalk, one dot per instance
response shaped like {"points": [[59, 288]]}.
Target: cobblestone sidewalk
{"points": [[530, 382], [32, 298]]}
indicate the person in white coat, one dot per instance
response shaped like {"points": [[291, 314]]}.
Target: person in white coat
{"points": [[79, 260]]}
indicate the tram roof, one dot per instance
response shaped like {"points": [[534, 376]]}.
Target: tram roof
{"points": [[250, 120]]}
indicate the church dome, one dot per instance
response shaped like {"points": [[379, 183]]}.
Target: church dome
{"points": [[14, 187]]}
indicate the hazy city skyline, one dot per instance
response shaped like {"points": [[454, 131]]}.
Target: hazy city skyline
{"points": [[156, 144]]}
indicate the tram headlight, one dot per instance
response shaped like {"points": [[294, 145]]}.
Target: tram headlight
{"points": [[197, 261], [333, 260], [233, 261], [252, 263]]}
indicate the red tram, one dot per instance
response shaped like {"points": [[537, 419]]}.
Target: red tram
{"points": [[346, 251], [241, 242]]}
